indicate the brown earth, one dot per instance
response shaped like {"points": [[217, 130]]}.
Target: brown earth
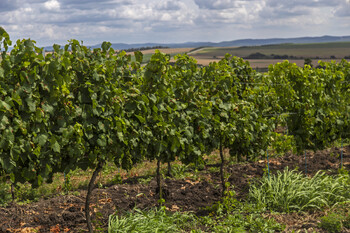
{"points": [[65, 213]]}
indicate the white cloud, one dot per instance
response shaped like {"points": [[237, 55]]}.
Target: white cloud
{"points": [[132, 21], [52, 5], [344, 9], [244, 13]]}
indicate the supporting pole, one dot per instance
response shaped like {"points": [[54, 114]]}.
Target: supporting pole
{"points": [[341, 155], [222, 170], [305, 163], [268, 164]]}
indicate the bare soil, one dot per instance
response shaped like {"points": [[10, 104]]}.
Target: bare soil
{"points": [[66, 213]]}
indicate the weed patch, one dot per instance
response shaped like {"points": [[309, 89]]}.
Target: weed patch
{"points": [[292, 191]]}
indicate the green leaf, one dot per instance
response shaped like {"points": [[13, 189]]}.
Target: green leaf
{"points": [[4, 105], [1, 72], [17, 98], [105, 46], [4, 121], [102, 141], [56, 147], [141, 119], [4, 38], [48, 108], [26, 64], [145, 99], [56, 47], [42, 139], [153, 98], [5, 163], [101, 126], [28, 174], [31, 104], [138, 56], [155, 109], [120, 136], [89, 134]]}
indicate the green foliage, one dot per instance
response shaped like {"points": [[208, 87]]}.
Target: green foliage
{"points": [[117, 179], [256, 223], [77, 107], [5, 193], [315, 101], [226, 205], [331, 223], [308, 61], [338, 219], [230, 215], [179, 171], [282, 143], [4, 40], [80, 108], [291, 191], [67, 183], [238, 108]]}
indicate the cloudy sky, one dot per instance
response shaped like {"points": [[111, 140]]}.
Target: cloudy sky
{"points": [[162, 21]]}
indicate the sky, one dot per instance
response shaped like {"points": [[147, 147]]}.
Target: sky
{"points": [[171, 21]]}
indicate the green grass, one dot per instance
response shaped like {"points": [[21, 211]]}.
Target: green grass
{"points": [[227, 215], [284, 192], [337, 219], [154, 220], [291, 191], [320, 50]]}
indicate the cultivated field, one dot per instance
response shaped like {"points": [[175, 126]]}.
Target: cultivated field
{"points": [[296, 53], [165, 50], [317, 50]]}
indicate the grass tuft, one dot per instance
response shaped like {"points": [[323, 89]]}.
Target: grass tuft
{"points": [[154, 220], [291, 191]]}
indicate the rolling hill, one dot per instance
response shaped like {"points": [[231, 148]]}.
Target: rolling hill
{"points": [[233, 43]]}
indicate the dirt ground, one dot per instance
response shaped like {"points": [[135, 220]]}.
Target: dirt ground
{"points": [[65, 213]]}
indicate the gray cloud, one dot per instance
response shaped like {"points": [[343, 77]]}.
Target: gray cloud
{"points": [[8, 5], [302, 3], [283, 9], [169, 5], [216, 4], [344, 9], [283, 12], [93, 4]]}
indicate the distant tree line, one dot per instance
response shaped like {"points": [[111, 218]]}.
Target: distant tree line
{"points": [[258, 55], [145, 48], [197, 48]]}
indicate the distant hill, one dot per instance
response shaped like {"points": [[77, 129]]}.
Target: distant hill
{"points": [[233, 43]]}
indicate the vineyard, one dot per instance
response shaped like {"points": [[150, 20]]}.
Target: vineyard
{"points": [[77, 108]]}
